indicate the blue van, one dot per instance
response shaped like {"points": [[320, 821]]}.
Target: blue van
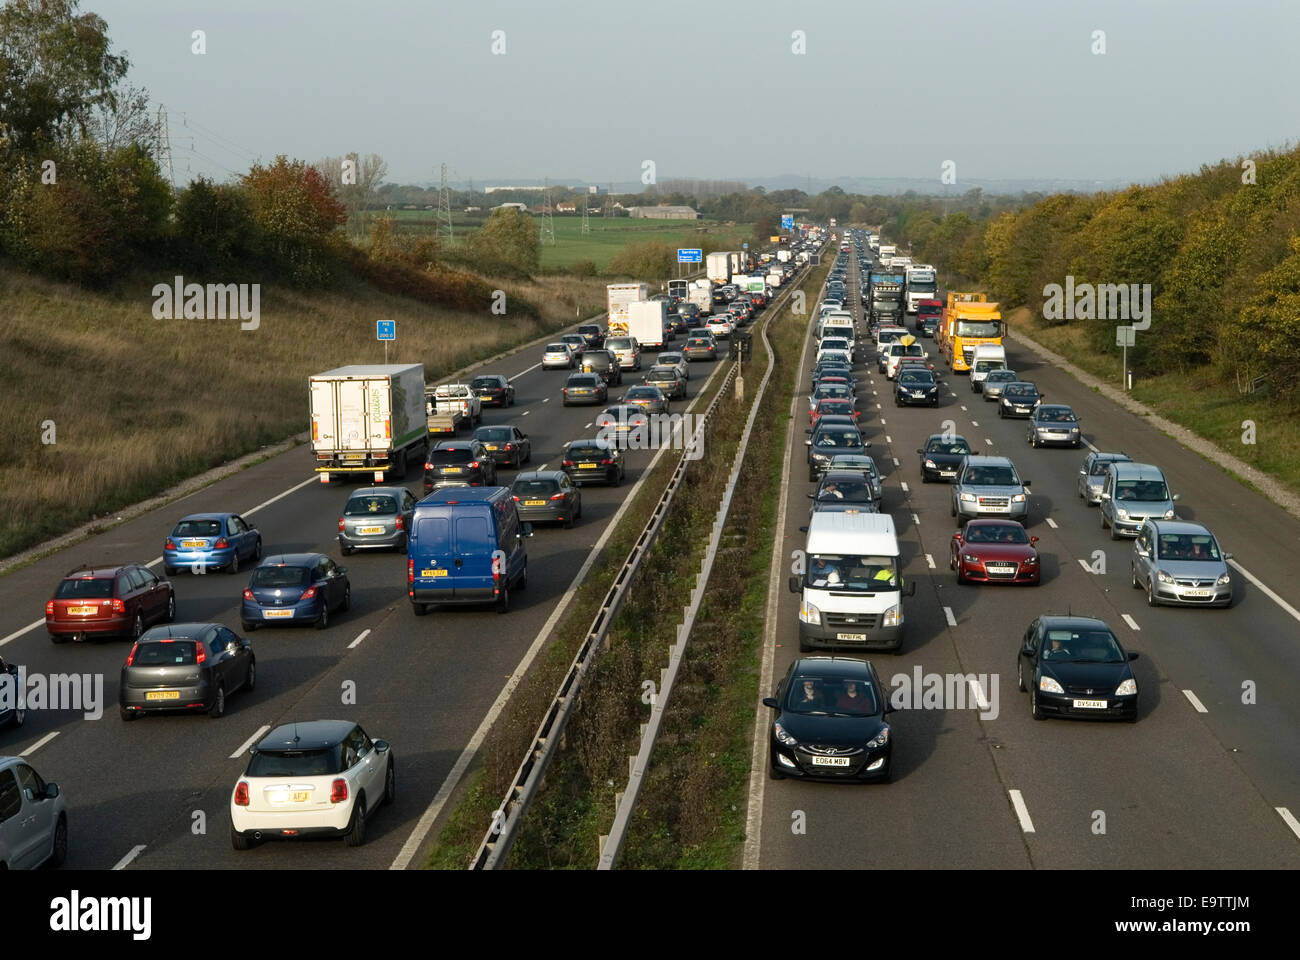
{"points": [[466, 546]]}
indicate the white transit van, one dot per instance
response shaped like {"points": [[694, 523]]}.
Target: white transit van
{"points": [[852, 586], [987, 357]]}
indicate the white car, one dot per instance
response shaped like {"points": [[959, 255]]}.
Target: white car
{"points": [[836, 345], [674, 358], [319, 777], [559, 355], [33, 818], [719, 326], [897, 351]]}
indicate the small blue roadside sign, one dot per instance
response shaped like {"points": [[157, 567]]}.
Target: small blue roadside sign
{"points": [[787, 221], [744, 246], [685, 255], [385, 329]]}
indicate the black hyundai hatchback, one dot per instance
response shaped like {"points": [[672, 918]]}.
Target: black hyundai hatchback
{"points": [[830, 722]]}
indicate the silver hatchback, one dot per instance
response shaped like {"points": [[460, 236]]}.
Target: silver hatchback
{"points": [[989, 487], [376, 518], [1180, 562]]}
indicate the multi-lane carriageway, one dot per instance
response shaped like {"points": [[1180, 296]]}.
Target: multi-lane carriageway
{"points": [[426, 685], [1202, 780]]}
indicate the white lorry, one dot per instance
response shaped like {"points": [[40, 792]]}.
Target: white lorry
{"points": [[645, 322], [368, 419], [717, 267], [700, 293], [617, 297]]}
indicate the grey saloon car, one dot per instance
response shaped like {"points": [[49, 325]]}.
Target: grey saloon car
{"points": [[376, 518], [1179, 562], [185, 667]]}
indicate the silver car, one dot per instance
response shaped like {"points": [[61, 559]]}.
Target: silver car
{"points": [[1130, 494], [558, 356], [989, 487], [1180, 562], [675, 358], [995, 381], [33, 818], [1092, 474], [376, 518], [1054, 423]]}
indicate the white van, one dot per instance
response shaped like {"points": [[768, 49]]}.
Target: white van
{"points": [[852, 588], [986, 358]]}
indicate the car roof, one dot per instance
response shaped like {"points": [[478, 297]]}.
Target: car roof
{"points": [[1054, 406], [837, 420], [91, 573], [1074, 623], [1022, 383], [1128, 470], [985, 460], [206, 516], [947, 438], [454, 444], [555, 475], [837, 475], [293, 560], [1111, 457], [377, 491], [309, 735], [599, 442], [1182, 527], [178, 631]]}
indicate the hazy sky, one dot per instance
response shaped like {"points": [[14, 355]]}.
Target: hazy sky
{"points": [[588, 89]]}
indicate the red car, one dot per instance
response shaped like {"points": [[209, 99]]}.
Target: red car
{"points": [[108, 601], [994, 551], [832, 407]]}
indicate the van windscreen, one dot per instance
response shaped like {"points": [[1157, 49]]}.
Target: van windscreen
{"points": [[864, 574]]}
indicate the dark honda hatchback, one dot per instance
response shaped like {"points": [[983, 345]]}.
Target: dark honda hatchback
{"points": [[1076, 667], [185, 666], [830, 722]]}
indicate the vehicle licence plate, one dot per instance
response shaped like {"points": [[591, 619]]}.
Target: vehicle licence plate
{"points": [[534, 503], [287, 796], [81, 611], [451, 470], [588, 466], [365, 530], [1197, 593], [1090, 704], [830, 761], [947, 473], [163, 695], [489, 446], [276, 614], [860, 637], [194, 543]]}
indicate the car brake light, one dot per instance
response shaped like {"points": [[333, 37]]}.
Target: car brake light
{"points": [[510, 446], [309, 593], [473, 464], [170, 544], [200, 654], [241, 794], [340, 524], [49, 608], [221, 544], [410, 571], [338, 790], [428, 466], [607, 462], [563, 463], [555, 496], [515, 499], [248, 594], [118, 606], [399, 524], [130, 657]]}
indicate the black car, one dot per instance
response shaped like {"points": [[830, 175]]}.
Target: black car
{"points": [[603, 364], [830, 722], [584, 388], [185, 666], [459, 461], [592, 334], [915, 386], [669, 380], [507, 445], [547, 495], [1076, 667], [493, 389], [832, 435], [10, 712], [942, 455], [1018, 400], [929, 327], [844, 491], [593, 460]]}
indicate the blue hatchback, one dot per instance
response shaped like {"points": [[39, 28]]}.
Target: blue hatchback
{"points": [[211, 541], [295, 588]]}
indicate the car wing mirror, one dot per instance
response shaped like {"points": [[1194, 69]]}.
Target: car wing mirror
{"points": [[1227, 556], [803, 529], [1027, 650], [381, 746], [340, 571], [957, 537], [1141, 551], [1033, 540], [771, 702], [1133, 655], [1176, 496]]}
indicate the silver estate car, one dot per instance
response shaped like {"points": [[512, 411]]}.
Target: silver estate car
{"points": [[1130, 494], [989, 487], [376, 518], [1092, 474], [1180, 562]]}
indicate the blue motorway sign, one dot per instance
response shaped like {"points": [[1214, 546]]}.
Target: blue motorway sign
{"points": [[690, 256], [787, 221], [385, 329]]}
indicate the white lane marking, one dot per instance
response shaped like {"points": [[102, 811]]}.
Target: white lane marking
{"points": [[1084, 563], [126, 861], [1051, 523], [1130, 621], [280, 496], [546, 400], [522, 372], [882, 421], [916, 520], [974, 423], [888, 439], [896, 463], [904, 484], [588, 426], [1087, 443], [947, 612], [988, 442], [1022, 811], [19, 632], [361, 636], [154, 562], [929, 561], [250, 741], [542, 467], [1289, 820], [1192, 698], [525, 413], [877, 406], [38, 744], [963, 406], [1295, 614]]}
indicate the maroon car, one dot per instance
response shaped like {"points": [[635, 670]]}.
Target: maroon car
{"points": [[994, 551], [832, 407], [108, 601]]}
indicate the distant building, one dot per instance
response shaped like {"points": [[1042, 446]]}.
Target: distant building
{"points": [[664, 212], [511, 206], [472, 209], [566, 208], [508, 189]]}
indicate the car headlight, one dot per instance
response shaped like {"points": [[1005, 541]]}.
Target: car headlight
{"points": [[969, 559], [1031, 560], [1018, 498], [1169, 514], [1074, 430], [821, 456], [1164, 577], [809, 614], [893, 616], [1223, 581], [779, 732], [930, 465], [1128, 688], [1049, 685], [968, 498], [879, 740], [1121, 513]]}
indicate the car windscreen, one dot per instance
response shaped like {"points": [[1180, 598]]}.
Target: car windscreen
{"points": [[165, 652], [582, 381], [1193, 547], [1000, 533], [838, 438], [278, 576], [831, 696], [294, 763], [493, 434], [1050, 415], [370, 504], [198, 528], [1001, 376], [863, 574], [988, 366], [1081, 646], [834, 343], [453, 455], [648, 392], [526, 489], [836, 491], [589, 329], [663, 373], [699, 342], [1014, 392], [1099, 467], [978, 328], [619, 343], [953, 447], [991, 477], [1148, 491], [85, 588], [484, 383], [916, 377]]}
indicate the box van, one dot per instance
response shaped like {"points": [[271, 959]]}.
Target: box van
{"points": [[1132, 493], [466, 545], [987, 356], [852, 588]]}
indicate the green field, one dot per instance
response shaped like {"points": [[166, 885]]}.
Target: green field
{"points": [[607, 236]]}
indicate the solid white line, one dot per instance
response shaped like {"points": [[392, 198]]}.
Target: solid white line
{"points": [[38, 744], [542, 467], [250, 741], [546, 400], [1089, 445], [1130, 621], [1084, 563], [522, 372], [947, 612], [361, 636], [126, 861], [1200, 707], [1051, 523], [588, 426], [19, 632], [1022, 811], [313, 479], [1295, 614], [1289, 820], [929, 561]]}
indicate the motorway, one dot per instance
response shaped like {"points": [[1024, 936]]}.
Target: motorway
{"points": [[155, 793], [1196, 783]]}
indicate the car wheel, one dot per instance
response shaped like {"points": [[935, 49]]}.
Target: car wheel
{"points": [[1133, 575], [568, 522], [812, 476], [1114, 531], [218, 708], [239, 841], [323, 620], [503, 602], [20, 716], [356, 834], [1020, 676], [346, 605], [390, 785], [170, 615], [345, 550], [234, 562], [523, 578], [59, 846], [257, 551], [579, 513], [171, 571], [1036, 713], [1152, 599], [420, 609], [1001, 413], [250, 681], [137, 627]]}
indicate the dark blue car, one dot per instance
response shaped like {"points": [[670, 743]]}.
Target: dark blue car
{"points": [[211, 541], [295, 588]]}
